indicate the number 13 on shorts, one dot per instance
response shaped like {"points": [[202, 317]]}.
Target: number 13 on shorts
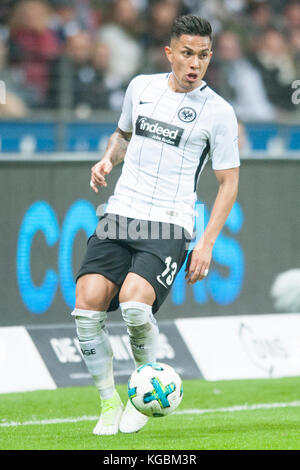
{"points": [[167, 276]]}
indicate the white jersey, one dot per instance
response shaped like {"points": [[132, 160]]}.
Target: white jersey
{"points": [[173, 136]]}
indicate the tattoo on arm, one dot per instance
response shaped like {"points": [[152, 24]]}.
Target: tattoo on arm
{"points": [[117, 146]]}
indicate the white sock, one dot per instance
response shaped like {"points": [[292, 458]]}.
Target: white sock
{"points": [[96, 349], [143, 331]]}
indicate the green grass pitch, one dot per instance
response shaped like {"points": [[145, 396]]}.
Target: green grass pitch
{"points": [[25, 419]]}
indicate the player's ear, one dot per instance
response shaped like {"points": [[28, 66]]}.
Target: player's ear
{"points": [[168, 52]]}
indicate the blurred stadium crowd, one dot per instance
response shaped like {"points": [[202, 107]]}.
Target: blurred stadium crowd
{"points": [[79, 55]]}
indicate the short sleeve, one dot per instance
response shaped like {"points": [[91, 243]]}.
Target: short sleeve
{"points": [[125, 121], [224, 140]]}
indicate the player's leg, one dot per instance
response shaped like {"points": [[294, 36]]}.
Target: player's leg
{"points": [[136, 299], [94, 293], [144, 290], [102, 272]]}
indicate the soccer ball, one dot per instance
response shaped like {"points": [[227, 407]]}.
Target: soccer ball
{"points": [[155, 389]]}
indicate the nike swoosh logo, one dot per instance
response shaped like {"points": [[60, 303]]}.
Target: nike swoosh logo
{"points": [[145, 102], [161, 282]]}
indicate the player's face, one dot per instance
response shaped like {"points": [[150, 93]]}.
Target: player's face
{"points": [[189, 56]]}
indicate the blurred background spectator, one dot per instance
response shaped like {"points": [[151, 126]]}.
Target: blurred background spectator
{"points": [[79, 55], [260, 18], [78, 79], [121, 32], [32, 45], [239, 81], [71, 16], [156, 35], [278, 69], [14, 106], [291, 14]]}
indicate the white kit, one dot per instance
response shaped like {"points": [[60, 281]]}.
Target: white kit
{"points": [[173, 136]]}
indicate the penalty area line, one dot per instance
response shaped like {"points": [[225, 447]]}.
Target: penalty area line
{"points": [[193, 411]]}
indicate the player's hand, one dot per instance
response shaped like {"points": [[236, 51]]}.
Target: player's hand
{"points": [[98, 173], [197, 265]]}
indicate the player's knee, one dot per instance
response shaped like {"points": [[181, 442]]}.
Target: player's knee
{"points": [[136, 314], [88, 303], [89, 323], [136, 289]]}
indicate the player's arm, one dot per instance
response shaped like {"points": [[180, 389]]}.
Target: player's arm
{"points": [[113, 155], [200, 258]]}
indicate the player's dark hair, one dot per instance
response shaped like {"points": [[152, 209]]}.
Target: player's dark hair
{"points": [[191, 25]]}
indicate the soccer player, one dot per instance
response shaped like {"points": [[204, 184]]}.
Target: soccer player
{"points": [[170, 125]]}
